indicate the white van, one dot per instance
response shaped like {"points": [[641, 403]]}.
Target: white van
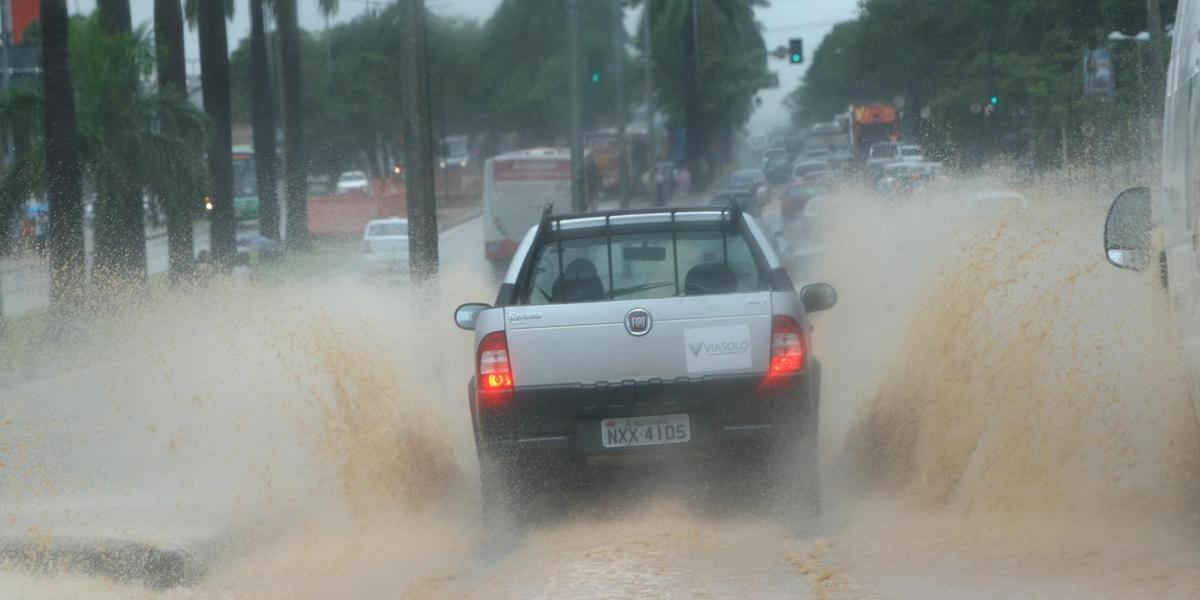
{"points": [[1129, 231], [516, 188]]}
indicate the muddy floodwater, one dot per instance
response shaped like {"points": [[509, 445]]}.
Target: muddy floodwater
{"points": [[1003, 415]]}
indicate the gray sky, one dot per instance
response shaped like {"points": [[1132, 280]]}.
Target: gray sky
{"points": [[808, 19]]}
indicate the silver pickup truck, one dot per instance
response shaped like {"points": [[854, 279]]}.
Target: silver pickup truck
{"points": [[649, 335]]}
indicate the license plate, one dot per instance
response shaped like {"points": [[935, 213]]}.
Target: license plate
{"points": [[645, 431]]}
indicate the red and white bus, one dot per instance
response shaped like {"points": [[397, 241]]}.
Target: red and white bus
{"points": [[516, 188]]}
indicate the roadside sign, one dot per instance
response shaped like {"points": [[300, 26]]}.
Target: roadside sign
{"points": [[781, 52]]}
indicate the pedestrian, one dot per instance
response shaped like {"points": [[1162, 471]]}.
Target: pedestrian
{"points": [[685, 181], [203, 266], [242, 273]]}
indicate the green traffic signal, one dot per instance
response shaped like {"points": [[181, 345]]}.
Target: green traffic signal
{"points": [[796, 58], [995, 100], [596, 77]]}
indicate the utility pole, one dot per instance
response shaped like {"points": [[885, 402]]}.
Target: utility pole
{"points": [[618, 49], [578, 168], [1158, 69], [651, 130], [418, 154]]}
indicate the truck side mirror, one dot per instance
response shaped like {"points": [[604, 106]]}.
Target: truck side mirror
{"points": [[818, 297], [465, 315], [1127, 230]]}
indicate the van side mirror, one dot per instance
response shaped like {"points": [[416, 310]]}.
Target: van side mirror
{"points": [[817, 297], [466, 314], [1127, 230]]}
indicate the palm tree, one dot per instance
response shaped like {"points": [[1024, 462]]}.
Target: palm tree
{"points": [[120, 232], [63, 182], [296, 182], [172, 79], [214, 81], [263, 111], [155, 140]]}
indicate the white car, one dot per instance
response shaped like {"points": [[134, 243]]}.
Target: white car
{"points": [[911, 154], [353, 181], [385, 244]]}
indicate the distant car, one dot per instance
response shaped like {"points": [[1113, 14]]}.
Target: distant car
{"points": [[902, 177], [770, 153], [778, 169], [911, 154], [747, 186], [799, 193], [385, 245], [809, 166], [353, 181], [879, 156]]}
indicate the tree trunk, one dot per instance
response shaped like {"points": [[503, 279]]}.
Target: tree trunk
{"points": [[263, 112], [296, 180], [418, 151], [120, 227], [62, 167], [214, 81], [172, 79], [694, 103]]}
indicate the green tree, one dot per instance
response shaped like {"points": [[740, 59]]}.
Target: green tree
{"points": [[951, 54], [708, 88], [162, 134], [523, 67]]}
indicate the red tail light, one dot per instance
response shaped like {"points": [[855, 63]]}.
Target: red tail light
{"points": [[787, 347], [494, 379]]}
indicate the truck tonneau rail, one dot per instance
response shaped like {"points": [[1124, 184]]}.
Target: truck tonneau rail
{"points": [[606, 220]]}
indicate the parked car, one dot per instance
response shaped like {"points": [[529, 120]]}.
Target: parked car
{"points": [[353, 181]]}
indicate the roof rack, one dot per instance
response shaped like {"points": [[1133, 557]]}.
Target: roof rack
{"points": [[550, 222]]}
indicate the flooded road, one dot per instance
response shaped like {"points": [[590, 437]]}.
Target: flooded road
{"points": [[1003, 416]]}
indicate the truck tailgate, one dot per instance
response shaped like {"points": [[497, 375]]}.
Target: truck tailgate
{"points": [[689, 337]]}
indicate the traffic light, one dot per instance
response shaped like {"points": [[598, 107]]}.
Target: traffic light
{"points": [[595, 77], [995, 100], [796, 51]]}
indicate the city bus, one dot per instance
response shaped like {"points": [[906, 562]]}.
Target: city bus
{"points": [[516, 188]]}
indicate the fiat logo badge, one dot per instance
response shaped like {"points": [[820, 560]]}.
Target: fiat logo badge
{"points": [[638, 322]]}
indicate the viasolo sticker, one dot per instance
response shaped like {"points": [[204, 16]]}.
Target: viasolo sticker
{"points": [[717, 348]]}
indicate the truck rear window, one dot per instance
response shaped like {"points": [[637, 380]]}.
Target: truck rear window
{"points": [[643, 265]]}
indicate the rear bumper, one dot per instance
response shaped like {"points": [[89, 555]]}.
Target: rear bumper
{"points": [[725, 413]]}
